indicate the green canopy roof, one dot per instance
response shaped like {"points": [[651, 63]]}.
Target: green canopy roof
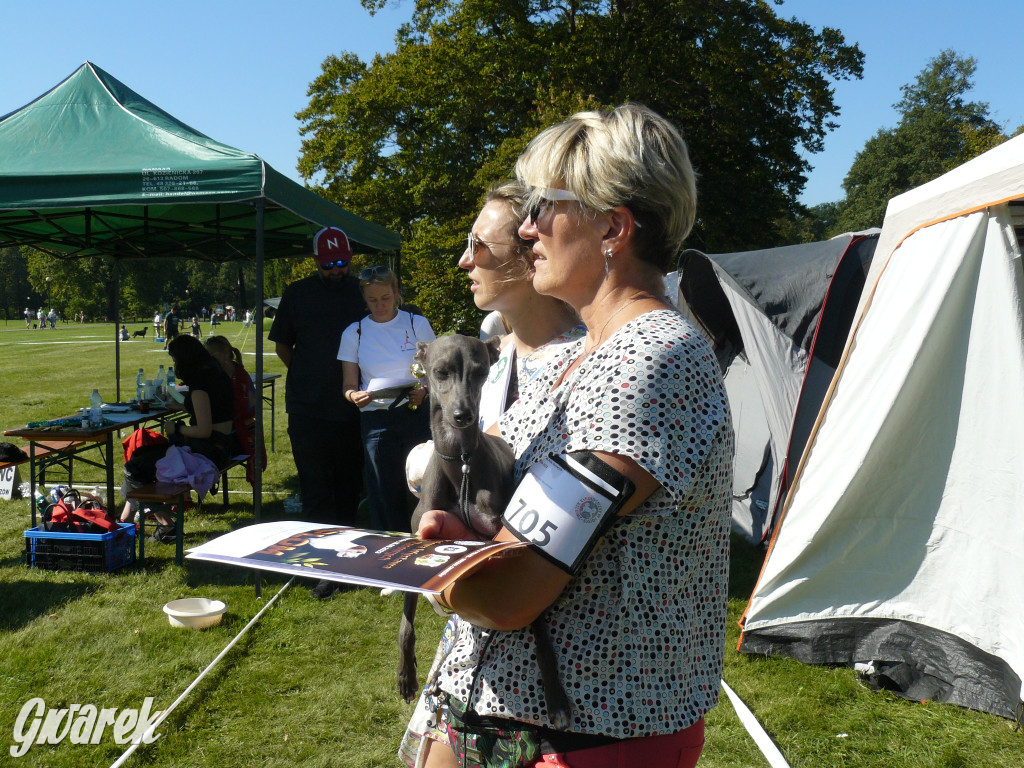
{"points": [[91, 168]]}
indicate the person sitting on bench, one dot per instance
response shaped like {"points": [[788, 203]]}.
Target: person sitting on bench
{"points": [[209, 432], [246, 401]]}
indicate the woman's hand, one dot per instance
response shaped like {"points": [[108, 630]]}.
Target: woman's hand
{"points": [[416, 396], [440, 524], [359, 398]]}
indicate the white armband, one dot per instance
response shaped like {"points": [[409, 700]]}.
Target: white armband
{"points": [[564, 505]]}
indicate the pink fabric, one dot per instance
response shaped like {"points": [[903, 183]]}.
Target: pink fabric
{"points": [[180, 465]]}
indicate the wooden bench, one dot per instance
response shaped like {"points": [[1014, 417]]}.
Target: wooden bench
{"points": [[168, 494], [165, 494], [45, 449], [236, 461]]}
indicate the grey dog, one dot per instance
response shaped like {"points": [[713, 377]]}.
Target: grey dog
{"points": [[456, 368]]}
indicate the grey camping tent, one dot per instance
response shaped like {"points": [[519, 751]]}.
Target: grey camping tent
{"points": [[778, 319]]}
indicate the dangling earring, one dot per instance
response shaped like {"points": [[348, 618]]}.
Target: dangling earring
{"points": [[607, 261]]}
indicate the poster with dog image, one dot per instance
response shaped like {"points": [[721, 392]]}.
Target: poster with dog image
{"points": [[359, 556]]}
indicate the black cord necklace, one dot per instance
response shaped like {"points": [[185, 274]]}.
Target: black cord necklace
{"points": [[463, 485]]}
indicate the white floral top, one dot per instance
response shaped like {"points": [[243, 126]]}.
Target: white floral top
{"points": [[640, 631]]}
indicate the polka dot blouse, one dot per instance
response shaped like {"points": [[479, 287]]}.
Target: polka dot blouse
{"points": [[640, 631]]}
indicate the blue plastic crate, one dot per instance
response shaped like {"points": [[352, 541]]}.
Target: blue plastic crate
{"points": [[92, 552]]}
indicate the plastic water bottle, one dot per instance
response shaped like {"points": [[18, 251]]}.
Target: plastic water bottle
{"points": [[100, 493], [42, 498], [161, 380], [140, 386], [171, 382], [95, 408]]}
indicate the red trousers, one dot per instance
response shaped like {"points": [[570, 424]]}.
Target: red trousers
{"points": [[674, 750]]}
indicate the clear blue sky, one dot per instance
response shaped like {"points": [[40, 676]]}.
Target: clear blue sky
{"points": [[238, 71]]}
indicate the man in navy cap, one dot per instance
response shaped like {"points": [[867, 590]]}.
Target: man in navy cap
{"points": [[322, 425]]}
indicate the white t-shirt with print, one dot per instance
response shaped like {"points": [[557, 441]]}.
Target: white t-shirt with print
{"points": [[384, 350]]}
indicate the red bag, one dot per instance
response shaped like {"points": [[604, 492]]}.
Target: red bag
{"points": [[139, 438], [75, 514]]}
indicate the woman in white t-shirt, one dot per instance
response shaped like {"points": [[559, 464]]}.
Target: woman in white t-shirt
{"points": [[377, 355]]}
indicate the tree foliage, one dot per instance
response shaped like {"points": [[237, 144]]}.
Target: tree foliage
{"points": [[938, 130], [414, 138]]}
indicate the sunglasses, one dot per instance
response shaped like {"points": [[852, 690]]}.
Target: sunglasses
{"points": [[544, 197], [371, 274], [340, 263], [473, 242]]}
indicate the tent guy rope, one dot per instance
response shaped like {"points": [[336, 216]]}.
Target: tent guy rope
{"points": [[163, 715]]}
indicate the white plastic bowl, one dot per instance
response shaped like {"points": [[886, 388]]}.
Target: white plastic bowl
{"points": [[195, 612]]}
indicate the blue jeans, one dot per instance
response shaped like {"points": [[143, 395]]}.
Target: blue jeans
{"points": [[388, 436]]}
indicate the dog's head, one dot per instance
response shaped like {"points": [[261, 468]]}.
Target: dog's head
{"points": [[456, 368]]}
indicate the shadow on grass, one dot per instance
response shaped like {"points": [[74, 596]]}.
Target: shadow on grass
{"points": [[205, 573], [23, 600], [9, 562]]}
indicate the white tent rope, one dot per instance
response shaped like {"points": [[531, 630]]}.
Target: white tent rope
{"points": [[163, 715], [760, 736]]}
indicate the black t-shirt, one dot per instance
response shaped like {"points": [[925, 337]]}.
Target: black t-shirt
{"points": [[310, 320], [212, 380]]}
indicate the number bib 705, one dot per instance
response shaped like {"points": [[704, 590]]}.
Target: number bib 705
{"points": [[564, 505]]}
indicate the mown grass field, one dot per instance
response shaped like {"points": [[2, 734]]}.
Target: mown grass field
{"points": [[313, 683]]}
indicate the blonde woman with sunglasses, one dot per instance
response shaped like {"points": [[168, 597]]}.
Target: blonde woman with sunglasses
{"points": [[376, 354], [624, 463]]}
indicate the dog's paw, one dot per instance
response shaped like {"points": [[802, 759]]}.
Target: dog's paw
{"points": [[561, 716], [407, 685]]}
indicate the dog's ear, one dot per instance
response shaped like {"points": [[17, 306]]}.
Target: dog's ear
{"points": [[493, 348], [421, 352]]}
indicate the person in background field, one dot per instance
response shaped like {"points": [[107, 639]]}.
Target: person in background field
{"points": [[172, 324], [382, 346], [28, 317], [197, 332], [246, 401], [41, 316], [124, 333], [322, 425], [158, 323], [635, 610]]}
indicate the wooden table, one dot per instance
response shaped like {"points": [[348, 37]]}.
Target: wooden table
{"points": [[80, 443]]}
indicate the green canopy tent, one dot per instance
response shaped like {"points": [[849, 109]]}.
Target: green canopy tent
{"points": [[90, 168]]}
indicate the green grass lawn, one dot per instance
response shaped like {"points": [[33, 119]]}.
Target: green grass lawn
{"points": [[313, 684]]}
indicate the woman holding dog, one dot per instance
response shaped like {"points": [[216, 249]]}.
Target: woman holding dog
{"points": [[632, 587], [499, 264], [382, 346]]}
